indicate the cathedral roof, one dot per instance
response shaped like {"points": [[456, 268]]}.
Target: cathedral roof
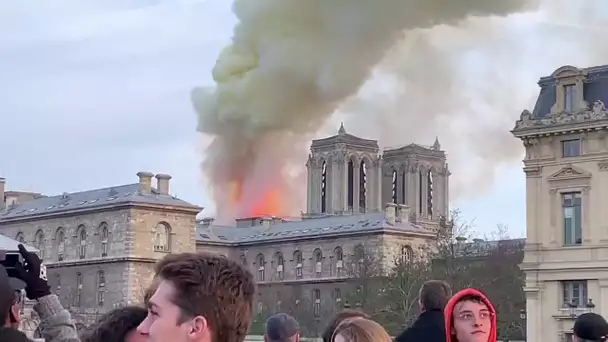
{"points": [[595, 88], [91, 199], [344, 138], [330, 226]]}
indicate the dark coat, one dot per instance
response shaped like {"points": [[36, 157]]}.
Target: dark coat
{"points": [[429, 327]]}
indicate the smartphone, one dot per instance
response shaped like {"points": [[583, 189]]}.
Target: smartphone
{"points": [[10, 262]]}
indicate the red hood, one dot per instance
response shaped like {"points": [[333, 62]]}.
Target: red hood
{"points": [[449, 310]]}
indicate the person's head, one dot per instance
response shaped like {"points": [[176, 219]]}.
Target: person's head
{"points": [[358, 329], [337, 319], [120, 325], [434, 295], [200, 297], [470, 317], [281, 327], [156, 279], [10, 299], [590, 327], [12, 335]]}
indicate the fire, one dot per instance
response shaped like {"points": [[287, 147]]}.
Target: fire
{"points": [[268, 203]]}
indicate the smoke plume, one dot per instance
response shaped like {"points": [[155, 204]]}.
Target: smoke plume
{"points": [[291, 64], [468, 84]]}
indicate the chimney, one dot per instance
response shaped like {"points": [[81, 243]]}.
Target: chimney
{"points": [[162, 184], [145, 181], [2, 197], [207, 222], [390, 213], [403, 213]]}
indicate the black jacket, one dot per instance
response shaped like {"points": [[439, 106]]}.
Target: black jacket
{"points": [[429, 327]]}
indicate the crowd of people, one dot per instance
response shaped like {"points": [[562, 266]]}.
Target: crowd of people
{"points": [[198, 297]]}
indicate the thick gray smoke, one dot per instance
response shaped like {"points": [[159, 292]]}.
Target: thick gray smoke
{"points": [[468, 84], [291, 64]]}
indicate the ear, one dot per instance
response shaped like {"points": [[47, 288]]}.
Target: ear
{"points": [[15, 313], [198, 326]]}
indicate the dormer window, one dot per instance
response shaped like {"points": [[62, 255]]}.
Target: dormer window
{"points": [[570, 97], [571, 148]]}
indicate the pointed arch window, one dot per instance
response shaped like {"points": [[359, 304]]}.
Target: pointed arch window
{"points": [[103, 237], [339, 255], [280, 265], [261, 263], [78, 295], [406, 254], [318, 262], [316, 297], [297, 257], [20, 237], [39, 243], [82, 239], [60, 241], [101, 287]]}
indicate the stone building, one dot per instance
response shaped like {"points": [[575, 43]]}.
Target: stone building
{"points": [[360, 203], [566, 253], [100, 245]]}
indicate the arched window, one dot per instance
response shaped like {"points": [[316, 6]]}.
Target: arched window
{"points": [[60, 242], [162, 238], [280, 264], [359, 258], [339, 256], [324, 187], [406, 254], [318, 262], [103, 237], [316, 297], [78, 295], [362, 186], [58, 282], [337, 295], [39, 243], [243, 259], [20, 237], [261, 263], [297, 257], [82, 238], [101, 287]]}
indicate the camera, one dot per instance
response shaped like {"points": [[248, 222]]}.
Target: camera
{"points": [[10, 260]]}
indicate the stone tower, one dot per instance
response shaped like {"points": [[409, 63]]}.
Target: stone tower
{"points": [[565, 258], [343, 175], [417, 176]]}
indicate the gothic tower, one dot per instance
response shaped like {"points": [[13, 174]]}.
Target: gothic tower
{"points": [[343, 175], [417, 176]]}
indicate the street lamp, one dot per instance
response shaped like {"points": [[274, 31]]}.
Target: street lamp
{"points": [[522, 314]]}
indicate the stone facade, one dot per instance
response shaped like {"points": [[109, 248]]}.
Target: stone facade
{"points": [[566, 253], [361, 205], [100, 246]]}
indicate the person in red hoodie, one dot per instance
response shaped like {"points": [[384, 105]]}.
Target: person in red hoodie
{"points": [[470, 317]]}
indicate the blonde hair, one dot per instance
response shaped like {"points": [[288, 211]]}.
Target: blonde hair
{"points": [[359, 329]]}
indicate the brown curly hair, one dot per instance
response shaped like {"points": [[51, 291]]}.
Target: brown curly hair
{"points": [[117, 324]]}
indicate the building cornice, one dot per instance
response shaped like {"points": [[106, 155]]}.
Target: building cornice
{"points": [[101, 208], [99, 261]]}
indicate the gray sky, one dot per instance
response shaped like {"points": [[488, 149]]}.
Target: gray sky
{"points": [[94, 91]]}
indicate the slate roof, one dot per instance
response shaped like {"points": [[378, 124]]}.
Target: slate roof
{"points": [[10, 245], [309, 228], [595, 88], [124, 194]]}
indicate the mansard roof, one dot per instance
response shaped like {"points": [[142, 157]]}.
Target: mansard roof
{"points": [[595, 88], [345, 138], [90, 200], [544, 115], [324, 227]]}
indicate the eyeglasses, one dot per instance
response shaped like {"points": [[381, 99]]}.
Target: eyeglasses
{"points": [[469, 316]]}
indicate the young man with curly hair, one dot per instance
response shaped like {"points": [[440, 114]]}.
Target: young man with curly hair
{"points": [[120, 325], [200, 298]]}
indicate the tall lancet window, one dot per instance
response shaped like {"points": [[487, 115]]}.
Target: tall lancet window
{"points": [[403, 187], [430, 193], [362, 185], [324, 187], [421, 191], [394, 186], [351, 185]]}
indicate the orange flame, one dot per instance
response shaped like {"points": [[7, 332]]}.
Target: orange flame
{"points": [[269, 203]]}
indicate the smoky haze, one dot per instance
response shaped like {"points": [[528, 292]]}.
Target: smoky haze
{"points": [[291, 64], [468, 84]]}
